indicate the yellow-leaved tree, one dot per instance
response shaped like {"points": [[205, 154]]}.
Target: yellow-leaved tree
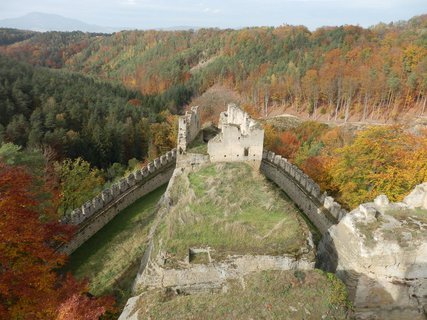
{"points": [[380, 160]]}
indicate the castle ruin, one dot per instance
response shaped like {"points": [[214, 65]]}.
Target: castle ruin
{"points": [[380, 258], [241, 138]]}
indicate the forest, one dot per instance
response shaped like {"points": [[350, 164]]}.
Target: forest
{"points": [[355, 166], [78, 116], [79, 110], [336, 71]]}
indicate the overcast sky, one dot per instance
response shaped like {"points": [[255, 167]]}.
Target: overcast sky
{"points": [[143, 14]]}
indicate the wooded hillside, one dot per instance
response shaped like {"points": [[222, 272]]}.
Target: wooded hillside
{"points": [[337, 71], [78, 116]]}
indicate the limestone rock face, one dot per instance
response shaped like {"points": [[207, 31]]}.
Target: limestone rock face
{"points": [[418, 197], [380, 251]]}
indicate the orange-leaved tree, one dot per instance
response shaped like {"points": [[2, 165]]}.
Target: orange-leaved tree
{"points": [[77, 304], [288, 146], [30, 287]]}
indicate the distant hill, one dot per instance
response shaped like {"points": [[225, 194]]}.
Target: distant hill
{"points": [[179, 28], [37, 21]]}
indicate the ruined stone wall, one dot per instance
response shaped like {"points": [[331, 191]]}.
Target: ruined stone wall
{"points": [[188, 128], [192, 160], [241, 138], [190, 277], [322, 210], [96, 213]]}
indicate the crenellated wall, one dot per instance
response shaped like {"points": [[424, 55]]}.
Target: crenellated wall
{"points": [[96, 213], [188, 129], [322, 210]]}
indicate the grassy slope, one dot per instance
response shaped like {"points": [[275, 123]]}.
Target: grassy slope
{"points": [[110, 259], [265, 295], [234, 210]]}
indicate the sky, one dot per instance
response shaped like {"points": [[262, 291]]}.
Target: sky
{"points": [[146, 14]]}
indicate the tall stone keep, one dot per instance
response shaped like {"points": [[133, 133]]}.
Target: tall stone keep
{"points": [[188, 128], [241, 138]]}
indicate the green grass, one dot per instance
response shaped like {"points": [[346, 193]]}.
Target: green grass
{"points": [[265, 295], [232, 209], [198, 180], [202, 148], [110, 259]]}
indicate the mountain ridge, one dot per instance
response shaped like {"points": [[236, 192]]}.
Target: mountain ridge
{"points": [[42, 22]]}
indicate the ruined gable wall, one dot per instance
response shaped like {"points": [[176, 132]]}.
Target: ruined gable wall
{"points": [[238, 117], [193, 124], [96, 213], [240, 139], [182, 134], [231, 144]]}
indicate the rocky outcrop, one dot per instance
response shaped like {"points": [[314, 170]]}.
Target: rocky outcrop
{"points": [[418, 197], [380, 251]]}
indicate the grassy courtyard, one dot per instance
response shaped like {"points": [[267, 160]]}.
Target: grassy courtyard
{"points": [[232, 209]]}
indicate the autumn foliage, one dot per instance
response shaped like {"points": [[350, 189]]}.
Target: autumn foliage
{"points": [[339, 72], [356, 168], [381, 160], [79, 305], [285, 143], [30, 287]]}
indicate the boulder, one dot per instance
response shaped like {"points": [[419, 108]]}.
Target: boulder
{"points": [[418, 197]]}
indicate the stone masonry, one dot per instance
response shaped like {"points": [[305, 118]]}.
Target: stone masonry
{"points": [[241, 138], [188, 129], [322, 210], [381, 259]]}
